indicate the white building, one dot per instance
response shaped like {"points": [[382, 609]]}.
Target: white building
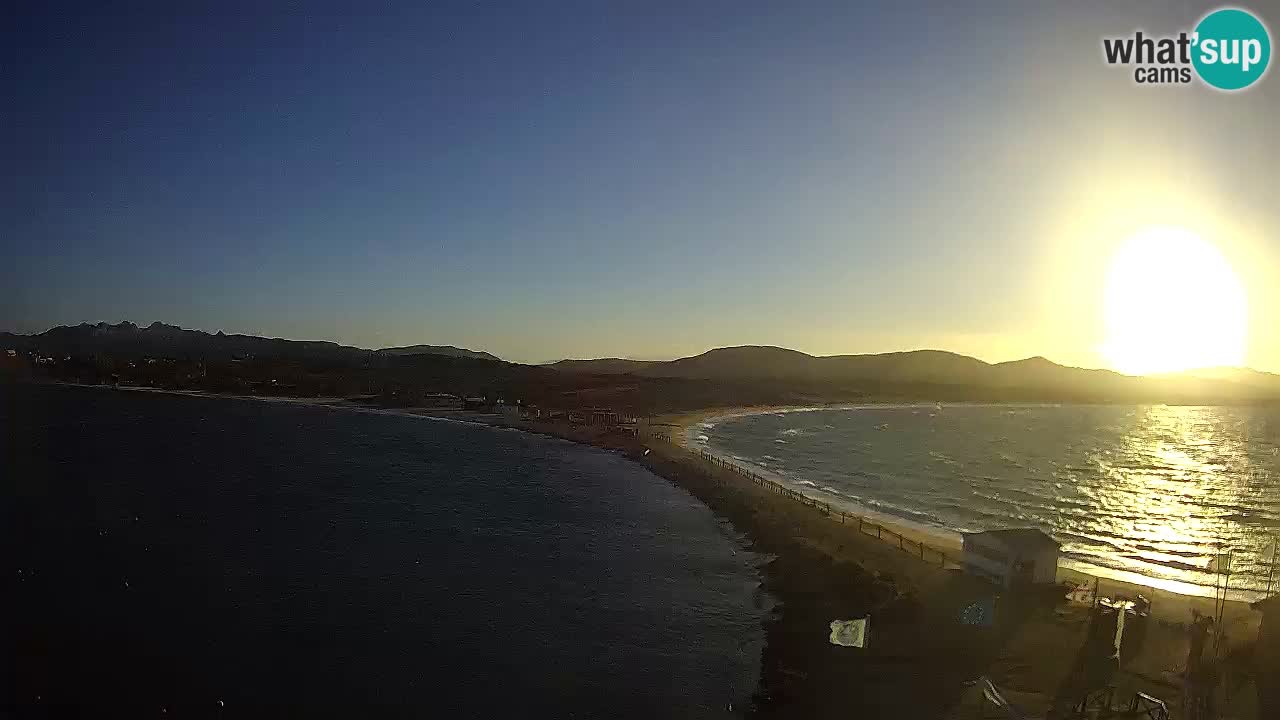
{"points": [[1011, 558]]}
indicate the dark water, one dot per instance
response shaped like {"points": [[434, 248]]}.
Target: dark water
{"points": [[168, 553], [1145, 493]]}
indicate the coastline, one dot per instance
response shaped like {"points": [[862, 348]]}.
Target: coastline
{"points": [[922, 661], [944, 538], [1156, 668]]}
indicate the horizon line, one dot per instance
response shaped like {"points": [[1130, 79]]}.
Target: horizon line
{"points": [[646, 360]]}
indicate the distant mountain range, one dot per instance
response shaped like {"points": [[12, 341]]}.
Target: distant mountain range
{"points": [[937, 368], [161, 340], [446, 350], [783, 373], [604, 366]]}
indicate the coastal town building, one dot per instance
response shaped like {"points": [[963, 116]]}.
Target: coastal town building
{"points": [[600, 417], [441, 400], [1012, 558]]}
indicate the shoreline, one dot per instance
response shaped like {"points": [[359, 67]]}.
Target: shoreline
{"points": [[922, 661], [944, 538]]}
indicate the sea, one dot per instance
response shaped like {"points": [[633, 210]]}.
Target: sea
{"points": [[176, 556], [1148, 494]]}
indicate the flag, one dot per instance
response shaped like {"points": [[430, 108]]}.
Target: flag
{"points": [[849, 633], [1220, 563]]}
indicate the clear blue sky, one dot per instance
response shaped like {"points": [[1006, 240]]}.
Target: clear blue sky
{"points": [[646, 179]]}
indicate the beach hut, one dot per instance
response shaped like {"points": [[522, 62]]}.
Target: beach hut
{"points": [[1012, 558]]}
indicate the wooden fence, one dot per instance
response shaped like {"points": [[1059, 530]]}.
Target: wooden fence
{"points": [[867, 527]]}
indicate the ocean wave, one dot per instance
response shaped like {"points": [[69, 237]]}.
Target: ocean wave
{"points": [[900, 511], [1074, 538], [1157, 559], [1139, 490], [1011, 460], [1179, 549]]}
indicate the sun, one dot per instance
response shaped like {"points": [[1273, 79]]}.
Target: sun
{"points": [[1173, 303]]}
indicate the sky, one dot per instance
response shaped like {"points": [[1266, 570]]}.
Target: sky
{"points": [[616, 179]]}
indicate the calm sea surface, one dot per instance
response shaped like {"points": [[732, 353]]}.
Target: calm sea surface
{"points": [[1130, 490], [224, 557]]}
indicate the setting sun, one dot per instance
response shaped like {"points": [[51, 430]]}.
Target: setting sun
{"points": [[1173, 303]]}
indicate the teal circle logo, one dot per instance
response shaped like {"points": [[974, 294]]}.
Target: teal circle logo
{"points": [[1231, 49]]}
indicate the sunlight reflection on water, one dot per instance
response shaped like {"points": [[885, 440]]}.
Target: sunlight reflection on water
{"points": [[1151, 490]]}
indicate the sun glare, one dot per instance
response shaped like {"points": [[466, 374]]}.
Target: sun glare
{"points": [[1173, 303]]}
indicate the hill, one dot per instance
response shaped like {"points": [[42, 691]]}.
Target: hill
{"points": [[445, 350], [938, 374], [744, 375], [161, 340]]}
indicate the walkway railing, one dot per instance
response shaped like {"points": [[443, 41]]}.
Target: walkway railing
{"points": [[887, 535]]}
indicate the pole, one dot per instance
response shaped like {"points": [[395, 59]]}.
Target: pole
{"points": [[1222, 606], [1272, 571]]}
